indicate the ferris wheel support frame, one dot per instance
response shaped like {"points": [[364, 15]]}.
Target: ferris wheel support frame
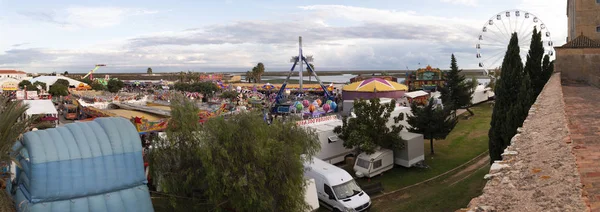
{"points": [[504, 33]]}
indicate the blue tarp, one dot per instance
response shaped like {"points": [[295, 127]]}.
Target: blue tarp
{"points": [[89, 166]]}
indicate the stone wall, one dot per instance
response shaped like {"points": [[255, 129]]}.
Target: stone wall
{"points": [[581, 64], [538, 171]]}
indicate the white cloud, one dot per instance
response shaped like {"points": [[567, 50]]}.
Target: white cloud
{"points": [[76, 17], [462, 2], [342, 37], [553, 13]]}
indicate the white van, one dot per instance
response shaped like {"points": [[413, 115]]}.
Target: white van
{"points": [[310, 195], [374, 164], [336, 189]]}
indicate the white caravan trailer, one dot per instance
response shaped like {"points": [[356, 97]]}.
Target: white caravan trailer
{"points": [[348, 105], [413, 151], [397, 111], [332, 147], [336, 189], [374, 164], [481, 94], [384, 159]]}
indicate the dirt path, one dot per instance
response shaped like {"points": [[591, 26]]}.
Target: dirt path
{"points": [[408, 193], [463, 172], [457, 177]]}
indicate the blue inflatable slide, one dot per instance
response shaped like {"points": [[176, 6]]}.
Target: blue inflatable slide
{"points": [[87, 166]]}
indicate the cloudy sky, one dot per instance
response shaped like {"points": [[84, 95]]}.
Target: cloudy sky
{"points": [[233, 35]]}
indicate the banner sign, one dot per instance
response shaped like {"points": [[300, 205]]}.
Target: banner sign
{"points": [[316, 120]]}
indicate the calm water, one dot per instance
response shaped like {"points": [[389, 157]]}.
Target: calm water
{"points": [[344, 78]]}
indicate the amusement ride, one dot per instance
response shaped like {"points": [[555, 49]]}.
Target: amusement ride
{"points": [[92, 71], [495, 35], [283, 106]]}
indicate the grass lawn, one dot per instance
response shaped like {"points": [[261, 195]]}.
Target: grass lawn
{"points": [[468, 139], [438, 197]]}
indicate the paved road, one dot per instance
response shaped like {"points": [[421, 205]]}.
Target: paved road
{"points": [[582, 106]]}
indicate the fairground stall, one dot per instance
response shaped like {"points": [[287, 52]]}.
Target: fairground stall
{"points": [[373, 88], [427, 79], [419, 97], [42, 108]]}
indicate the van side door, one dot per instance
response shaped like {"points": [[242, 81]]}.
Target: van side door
{"points": [[329, 197]]}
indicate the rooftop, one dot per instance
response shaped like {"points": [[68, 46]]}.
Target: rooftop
{"points": [[11, 72], [581, 41]]}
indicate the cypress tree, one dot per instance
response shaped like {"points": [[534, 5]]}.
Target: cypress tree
{"points": [[457, 92], [431, 121], [505, 118], [533, 66], [524, 100], [547, 68]]}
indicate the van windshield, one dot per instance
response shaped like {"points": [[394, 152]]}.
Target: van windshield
{"points": [[346, 190]]}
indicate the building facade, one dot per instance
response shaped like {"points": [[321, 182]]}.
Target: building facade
{"points": [[19, 75], [428, 79], [579, 59], [584, 18]]}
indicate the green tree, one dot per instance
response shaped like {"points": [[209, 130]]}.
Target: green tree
{"points": [[494, 75], [87, 81], [258, 71], [12, 126], [369, 130], [24, 83], [63, 82], [39, 84], [505, 119], [175, 163], [208, 89], [431, 121], [252, 166], [457, 92], [525, 99], [114, 85], [533, 65], [182, 86], [229, 95], [149, 71], [240, 163], [309, 71], [58, 89], [249, 76], [547, 68], [98, 86], [66, 73]]}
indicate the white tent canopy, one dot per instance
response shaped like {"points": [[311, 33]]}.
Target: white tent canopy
{"points": [[49, 80], [41, 107], [415, 94]]}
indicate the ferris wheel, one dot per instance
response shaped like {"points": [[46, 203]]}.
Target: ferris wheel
{"points": [[495, 35]]}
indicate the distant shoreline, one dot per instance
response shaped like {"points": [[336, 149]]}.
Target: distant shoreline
{"points": [[478, 73]]}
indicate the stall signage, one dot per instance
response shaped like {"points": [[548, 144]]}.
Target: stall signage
{"points": [[316, 120]]}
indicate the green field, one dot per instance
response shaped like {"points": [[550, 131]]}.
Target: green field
{"points": [[436, 196], [468, 140], [448, 193]]}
